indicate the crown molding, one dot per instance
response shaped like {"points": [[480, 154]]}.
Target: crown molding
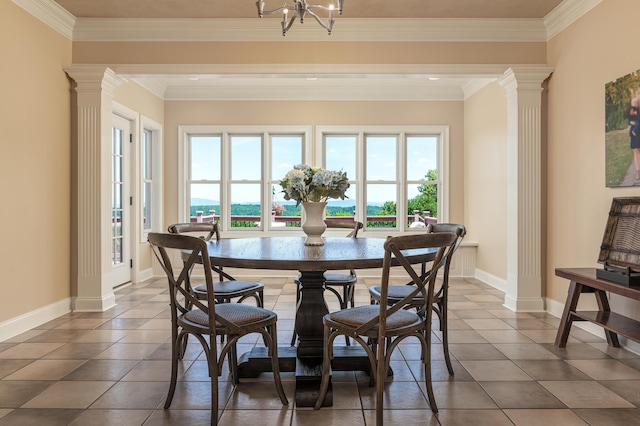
{"points": [[354, 70], [152, 85], [474, 86], [290, 91], [565, 14], [51, 14], [353, 82], [345, 29]]}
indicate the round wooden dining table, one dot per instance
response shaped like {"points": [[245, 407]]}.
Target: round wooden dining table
{"points": [[290, 253]]}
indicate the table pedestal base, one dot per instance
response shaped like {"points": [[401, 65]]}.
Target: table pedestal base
{"points": [[308, 374]]}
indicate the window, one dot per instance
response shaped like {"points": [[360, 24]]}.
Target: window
{"points": [[397, 175], [146, 151], [149, 200], [231, 175]]}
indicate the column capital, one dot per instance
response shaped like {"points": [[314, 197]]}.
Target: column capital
{"points": [[94, 77], [524, 77]]}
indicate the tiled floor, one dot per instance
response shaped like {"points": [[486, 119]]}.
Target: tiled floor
{"points": [[112, 368]]}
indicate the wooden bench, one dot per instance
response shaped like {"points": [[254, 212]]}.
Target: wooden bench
{"points": [[584, 280]]}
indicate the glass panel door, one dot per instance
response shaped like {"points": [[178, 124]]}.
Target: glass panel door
{"points": [[120, 247]]}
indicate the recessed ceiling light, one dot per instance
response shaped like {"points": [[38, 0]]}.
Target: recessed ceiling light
{"points": [[311, 78], [194, 78], [434, 78]]}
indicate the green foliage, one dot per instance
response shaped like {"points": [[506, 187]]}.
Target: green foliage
{"points": [[618, 157], [388, 209], [204, 209], [618, 95], [427, 199]]}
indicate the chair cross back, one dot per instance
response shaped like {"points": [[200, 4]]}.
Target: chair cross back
{"points": [[180, 285], [354, 225], [394, 248]]}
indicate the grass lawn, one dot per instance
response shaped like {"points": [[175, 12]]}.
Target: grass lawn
{"points": [[618, 156]]}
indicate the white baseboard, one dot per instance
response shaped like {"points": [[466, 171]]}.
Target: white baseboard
{"points": [[494, 281], [145, 274], [94, 304], [26, 322]]}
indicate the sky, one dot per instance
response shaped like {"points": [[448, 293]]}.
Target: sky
{"points": [[380, 153]]}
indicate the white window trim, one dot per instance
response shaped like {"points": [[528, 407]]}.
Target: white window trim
{"points": [[443, 165], [184, 131], [157, 170]]}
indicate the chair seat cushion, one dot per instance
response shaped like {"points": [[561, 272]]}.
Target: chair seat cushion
{"points": [[229, 287], [359, 315], [395, 292], [237, 313]]}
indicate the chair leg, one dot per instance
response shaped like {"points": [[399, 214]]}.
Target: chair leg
{"points": [[426, 359], [213, 371], [346, 296], [183, 345], [261, 298], [294, 337], [175, 351], [381, 375], [326, 369], [233, 363], [275, 364], [444, 328]]}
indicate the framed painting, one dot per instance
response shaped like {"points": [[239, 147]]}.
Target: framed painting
{"points": [[622, 131]]}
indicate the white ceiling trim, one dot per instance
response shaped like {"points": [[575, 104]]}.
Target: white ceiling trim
{"points": [[405, 70], [299, 91], [50, 13], [94, 29], [345, 29], [565, 14], [362, 82]]}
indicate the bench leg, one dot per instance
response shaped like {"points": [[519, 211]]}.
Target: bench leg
{"points": [[603, 306], [567, 318]]}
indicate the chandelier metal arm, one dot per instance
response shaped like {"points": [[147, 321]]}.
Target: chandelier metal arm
{"points": [[326, 26], [300, 9]]}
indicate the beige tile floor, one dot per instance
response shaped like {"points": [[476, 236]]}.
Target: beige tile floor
{"points": [[112, 368]]}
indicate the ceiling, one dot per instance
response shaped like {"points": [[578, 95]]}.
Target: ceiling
{"points": [[352, 8], [270, 84]]}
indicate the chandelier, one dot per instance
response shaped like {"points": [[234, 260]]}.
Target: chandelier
{"points": [[301, 9]]}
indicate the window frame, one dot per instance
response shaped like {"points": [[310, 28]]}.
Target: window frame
{"points": [[154, 129], [266, 182], [401, 133], [313, 154]]}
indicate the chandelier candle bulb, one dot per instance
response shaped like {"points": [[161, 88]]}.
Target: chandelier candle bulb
{"points": [[300, 10]]}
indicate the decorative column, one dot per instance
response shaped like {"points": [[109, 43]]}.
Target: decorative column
{"points": [[95, 86], [524, 187]]}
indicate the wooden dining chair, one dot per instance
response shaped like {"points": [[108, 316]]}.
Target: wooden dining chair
{"points": [[227, 287], [206, 319], [398, 292], [334, 281], [380, 328]]}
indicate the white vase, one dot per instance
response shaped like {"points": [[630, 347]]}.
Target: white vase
{"points": [[313, 224]]}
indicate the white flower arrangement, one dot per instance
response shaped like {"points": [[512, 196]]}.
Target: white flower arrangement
{"points": [[305, 183]]}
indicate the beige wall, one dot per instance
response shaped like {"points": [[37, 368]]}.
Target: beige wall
{"points": [[132, 96], [307, 53], [316, 113], [485, 187], [35, 164], [596, 49]]}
